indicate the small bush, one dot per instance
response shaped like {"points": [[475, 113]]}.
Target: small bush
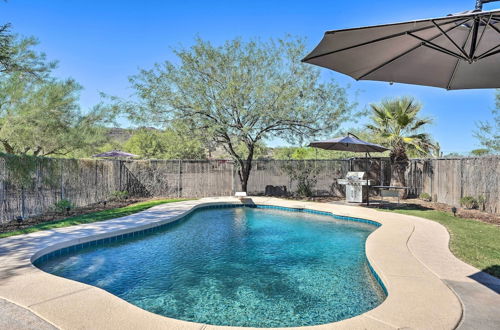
{"points": [[305, 174], [469, 202], [305, 186], [63, 205], [481, 201], [119, 195], [425, 197]]}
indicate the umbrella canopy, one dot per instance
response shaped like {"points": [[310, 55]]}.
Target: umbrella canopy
{"points": [[115, 154], [348, 143], [459, 51]]}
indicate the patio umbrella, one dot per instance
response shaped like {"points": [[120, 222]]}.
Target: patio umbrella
{"points": [[348, 143], [351, 143], [115, 154], [459, 51]]}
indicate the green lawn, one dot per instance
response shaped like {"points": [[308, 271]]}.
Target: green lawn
{"points": [[477, 243], [91, 217]]}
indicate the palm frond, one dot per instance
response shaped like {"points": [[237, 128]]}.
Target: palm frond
{"points": [[396, 121]]}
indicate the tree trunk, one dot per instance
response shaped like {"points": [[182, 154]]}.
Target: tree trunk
{"points": [[398, 178], [245, 165], [244, 174], [399, 162]]}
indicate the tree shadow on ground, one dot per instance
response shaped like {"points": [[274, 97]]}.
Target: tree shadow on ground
{"points": [[489, 277], [398, 206]]}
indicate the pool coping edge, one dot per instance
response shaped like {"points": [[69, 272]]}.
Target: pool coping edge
{"points": [[382, 316]]}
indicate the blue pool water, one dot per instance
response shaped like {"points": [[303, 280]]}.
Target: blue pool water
{"points": [[237, 266]]}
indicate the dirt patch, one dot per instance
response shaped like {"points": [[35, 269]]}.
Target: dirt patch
{"points": [[413, 204], [54, 216], [461, 212], [316, 199]]}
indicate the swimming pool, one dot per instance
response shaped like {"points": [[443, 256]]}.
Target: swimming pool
{"points": [[236, 266]]}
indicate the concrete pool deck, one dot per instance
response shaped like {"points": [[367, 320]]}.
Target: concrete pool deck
{"points": [[428, 288]]}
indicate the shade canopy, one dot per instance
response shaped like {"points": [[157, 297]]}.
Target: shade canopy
{"points": [[348, 143], [115, 154], [460, 51]]}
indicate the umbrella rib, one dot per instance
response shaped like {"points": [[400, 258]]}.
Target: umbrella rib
{"points": [[490, 54], [409, 51], [388, 62], [494, 27], [481, 37], [395, 35], [487, 53], [450, 39], [434, 46], [458, 63]]}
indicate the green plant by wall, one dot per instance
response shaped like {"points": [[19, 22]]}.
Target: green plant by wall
{"points": [[63, 205], [304, 173], [425, 197], [119, 195], [469, 202], [22, 170], [481, 202]]}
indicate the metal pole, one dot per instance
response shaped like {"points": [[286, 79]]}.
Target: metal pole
{"points": [[62, 180], [479, 3], [179, 178], [22, 202], [233, 188], [120, 167], [367, 180]]}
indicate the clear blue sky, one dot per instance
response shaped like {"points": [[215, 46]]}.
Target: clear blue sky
{"points": [[102, 42]]}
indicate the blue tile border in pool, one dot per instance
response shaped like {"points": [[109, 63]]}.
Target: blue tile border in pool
{"points": [[120, 237], [102, 241]]}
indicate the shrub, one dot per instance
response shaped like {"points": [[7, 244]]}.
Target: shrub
{"points": [[119, 195], [304, 173], [63, 205], [481, 200], [425, 197], [305, 186], [469, 202]]}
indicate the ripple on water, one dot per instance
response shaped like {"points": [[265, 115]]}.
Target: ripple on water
{"points": [[237, 266]]}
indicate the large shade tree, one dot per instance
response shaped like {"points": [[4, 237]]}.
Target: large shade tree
{"points": [[488, 133], [397, 123], [241, 92], [18, 55], [40, 115], [172, 143]]}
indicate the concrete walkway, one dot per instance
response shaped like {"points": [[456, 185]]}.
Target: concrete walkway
{"points": [[478, 291], [410, 255], [14, 317]]}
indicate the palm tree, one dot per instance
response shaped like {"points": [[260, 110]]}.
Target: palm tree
{"points": [[396, 121]]}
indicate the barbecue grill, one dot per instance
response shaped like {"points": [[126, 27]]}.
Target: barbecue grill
{"points": [[356, 187]]}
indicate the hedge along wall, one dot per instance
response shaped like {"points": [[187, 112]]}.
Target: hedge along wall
{"points": [[31, 186], [448, 180], [277, 173]]}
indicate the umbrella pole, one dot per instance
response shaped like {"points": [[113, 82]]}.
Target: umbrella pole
{"points": [[479, 3], [367, 181]]}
